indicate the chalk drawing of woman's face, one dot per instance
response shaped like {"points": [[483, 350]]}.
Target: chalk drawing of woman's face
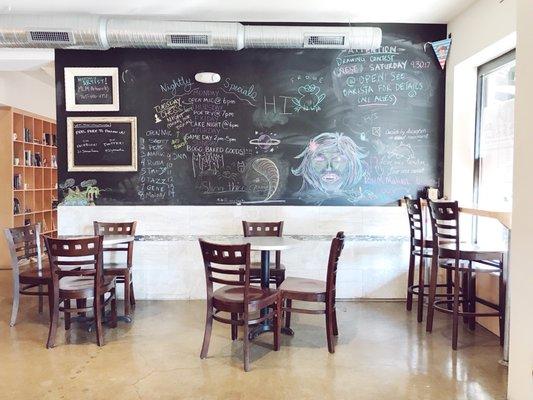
{"points": [[330, 166]]}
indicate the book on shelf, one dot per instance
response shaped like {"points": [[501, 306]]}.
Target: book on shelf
{"points": [[54, 161], [17, 181], [27, 135], [37, 160], [28, 160], [16, 206], [47, 139]]}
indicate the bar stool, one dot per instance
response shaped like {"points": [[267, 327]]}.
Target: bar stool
{"points": [[422, 248], [446, 244]]}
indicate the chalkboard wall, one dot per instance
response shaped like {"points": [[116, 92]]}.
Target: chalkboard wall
{"points": [[298, 127]]}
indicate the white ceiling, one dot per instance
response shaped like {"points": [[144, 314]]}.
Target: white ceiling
{"points": [[417, 11]]}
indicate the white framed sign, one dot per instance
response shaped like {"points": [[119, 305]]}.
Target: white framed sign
{"points": [[92, 89], [102, 144]]}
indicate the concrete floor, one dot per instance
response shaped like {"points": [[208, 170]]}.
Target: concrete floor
{"points": [[382, 353]]}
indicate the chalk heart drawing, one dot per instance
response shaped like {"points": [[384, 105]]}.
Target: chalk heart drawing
{"points": [[310, 98], [264, 142], [268, 169]]}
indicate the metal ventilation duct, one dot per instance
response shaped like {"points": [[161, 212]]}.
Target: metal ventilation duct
{"points": [[316, 37], [59, 32], [94, 32], [175, 34]]}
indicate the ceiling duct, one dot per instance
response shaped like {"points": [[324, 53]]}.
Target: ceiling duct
{"points": [[175, 34], [312, 37], [60, 32], [95, 32]]}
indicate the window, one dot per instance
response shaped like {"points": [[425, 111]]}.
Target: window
{"points": [[493, 158], [493, 168]]}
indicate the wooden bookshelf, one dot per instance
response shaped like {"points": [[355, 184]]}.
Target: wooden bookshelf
{"points": [[32, 180]]}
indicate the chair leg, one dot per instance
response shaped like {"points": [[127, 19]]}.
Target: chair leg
{"points": [[207, 330], [432, 292], [335, 326], [329, 329], [132, 296], [67, 315], [466, 293], [288, 304], [54, 301], [277, 323], [81, 303], [98, 320], [455, 314], [16, 300], [127, 287], [50, 300], [234, 327], [40, 299], [449, 288], [246, 343], [410, 282], [421, 273], [113, 322], [502, 290], [472, 308]]}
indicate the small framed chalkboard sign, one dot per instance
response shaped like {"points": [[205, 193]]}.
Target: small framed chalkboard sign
{"points": [[103, 144], [91, 89]]}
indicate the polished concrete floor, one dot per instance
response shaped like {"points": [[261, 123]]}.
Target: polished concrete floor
{"points": [[382, 353]]}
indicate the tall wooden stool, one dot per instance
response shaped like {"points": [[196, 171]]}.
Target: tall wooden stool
{"points": [[479, 259]]}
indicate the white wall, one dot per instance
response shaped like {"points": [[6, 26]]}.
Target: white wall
{"points": [[479, 34], [21, 90], [521, 339], [168, 264]]}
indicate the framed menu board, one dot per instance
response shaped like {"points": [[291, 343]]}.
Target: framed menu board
{"points": [[105, 144], [91, 89]]}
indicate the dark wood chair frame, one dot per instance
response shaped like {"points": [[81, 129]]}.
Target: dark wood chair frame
{"points": [[327, 297], [25, 250], [83, 258], [422, 248], [445, 226], [252, 229], [124, 275], [238, 257]]}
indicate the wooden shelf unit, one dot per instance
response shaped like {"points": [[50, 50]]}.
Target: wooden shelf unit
{"points": [[37, 190]]}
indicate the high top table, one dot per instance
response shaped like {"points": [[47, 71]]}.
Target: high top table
{"points": [[265, 244]]}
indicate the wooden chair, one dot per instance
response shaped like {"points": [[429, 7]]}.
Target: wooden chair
{"points": [[312, 290], [30, 271], [277, 271], [447, 244], [421, 247], [122, 271], [77, 273], [237, 297]]}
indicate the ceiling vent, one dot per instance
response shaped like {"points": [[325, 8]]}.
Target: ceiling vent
{"points": [[325, 41], [50, 37], [187, 40]]}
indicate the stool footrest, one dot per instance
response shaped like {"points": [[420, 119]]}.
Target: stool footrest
{"points": [[438, 307]]}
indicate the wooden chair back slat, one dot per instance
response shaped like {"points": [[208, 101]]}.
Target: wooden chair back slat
{"points": [[225, 257], [24, 245], [416, 220], [77, 254], [117, 228], [444, 222], [251, 229], [337, 244]]}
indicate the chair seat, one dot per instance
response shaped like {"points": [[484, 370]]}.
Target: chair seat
{"points": [[303, 288], [115, 268], [231, 298], [31, 275], [472, 251], [82, 286]]}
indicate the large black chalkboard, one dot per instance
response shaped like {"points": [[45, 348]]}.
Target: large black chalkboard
{"points": [[299, 127]]}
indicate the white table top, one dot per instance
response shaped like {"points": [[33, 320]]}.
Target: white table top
{"points": [[109, 240], [264, 243]]}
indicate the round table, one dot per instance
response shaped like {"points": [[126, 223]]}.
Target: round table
{"points": [[265, 244]]}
